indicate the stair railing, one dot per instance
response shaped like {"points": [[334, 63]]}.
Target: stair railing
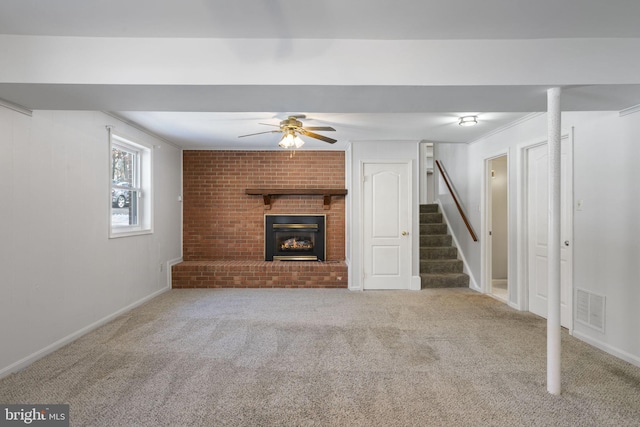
{"points": [[455, 199]]}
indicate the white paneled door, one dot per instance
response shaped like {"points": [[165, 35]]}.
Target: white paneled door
{"points": [[537, 226], [386, 225]]}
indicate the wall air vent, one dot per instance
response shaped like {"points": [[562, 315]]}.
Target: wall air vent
{"points": [[590, 309]]}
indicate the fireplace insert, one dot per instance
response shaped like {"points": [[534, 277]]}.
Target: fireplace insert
{"points": [[294, 237]]}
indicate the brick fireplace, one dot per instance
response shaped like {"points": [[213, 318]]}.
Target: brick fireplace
{"points": [[223, 227]]}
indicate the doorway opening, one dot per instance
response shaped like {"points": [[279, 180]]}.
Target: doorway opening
{"points": [[497, 227], [427, 177]]}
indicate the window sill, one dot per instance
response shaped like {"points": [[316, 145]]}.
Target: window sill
{"points": [[128, 233]]}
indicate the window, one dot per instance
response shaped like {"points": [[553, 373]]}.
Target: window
{"points": [[130, 182]]}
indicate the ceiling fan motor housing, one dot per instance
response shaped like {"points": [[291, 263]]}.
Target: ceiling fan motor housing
{"points": [[291, 122], [292, 127]]}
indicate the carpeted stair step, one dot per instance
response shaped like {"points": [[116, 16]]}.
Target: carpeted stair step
{"points": [[431, 218], [431, 229], [431, 208], [437, 240], [444, 280], [434, 252], [439, 263], [431, 266]]}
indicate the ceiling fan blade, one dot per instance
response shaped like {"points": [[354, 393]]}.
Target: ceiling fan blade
{"points": [[323, 128], [268, 124], [316, 136], [258, 133]]}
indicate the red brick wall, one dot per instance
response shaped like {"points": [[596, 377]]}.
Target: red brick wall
{"points": [[221, 222]]}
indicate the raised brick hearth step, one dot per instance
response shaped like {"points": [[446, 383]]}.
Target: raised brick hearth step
{"points": [[259, 274]]}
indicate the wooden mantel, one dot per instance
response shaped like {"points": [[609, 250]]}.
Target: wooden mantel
{"points": [[266, 193]]}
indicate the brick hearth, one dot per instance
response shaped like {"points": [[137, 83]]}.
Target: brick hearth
{"points": [[223, 227], [260, 274]]}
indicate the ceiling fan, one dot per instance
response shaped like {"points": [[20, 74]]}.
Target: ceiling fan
{"points": [[292, 128]]}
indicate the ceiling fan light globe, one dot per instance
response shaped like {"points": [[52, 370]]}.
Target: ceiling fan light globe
{"points": [[298, 142], [287, 141]]}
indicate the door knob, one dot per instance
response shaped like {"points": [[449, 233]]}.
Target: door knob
{"points": [[404, 233], [566, 243]]}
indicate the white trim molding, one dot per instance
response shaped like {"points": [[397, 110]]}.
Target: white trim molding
{"points": [[15, 107], [485, 221], [630, 110], [141, 128], [170, 264], [627, 357], [507, 126]]}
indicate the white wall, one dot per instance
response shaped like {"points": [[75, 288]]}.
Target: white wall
{"points": [[90, 60], [378, 151], [453, 158], [606, 231], [59, 271]]}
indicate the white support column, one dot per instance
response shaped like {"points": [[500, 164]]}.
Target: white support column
{"points": [[553, 298]]}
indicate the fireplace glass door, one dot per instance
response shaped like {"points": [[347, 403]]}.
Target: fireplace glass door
{"points": [[294, 237]]}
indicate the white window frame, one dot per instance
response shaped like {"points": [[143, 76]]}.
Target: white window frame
{"points": [[141, 186]]}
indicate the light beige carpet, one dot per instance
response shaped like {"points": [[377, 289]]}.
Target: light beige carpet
{"points": [[243, 357]]}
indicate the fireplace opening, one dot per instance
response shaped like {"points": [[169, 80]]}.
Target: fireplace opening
{"points": [[294, 237]]}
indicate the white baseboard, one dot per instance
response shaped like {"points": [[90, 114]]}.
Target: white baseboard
{"points": [[350, 285], [170, 264], [514, 306], [416, 283], [621, 354], [26, 361]]}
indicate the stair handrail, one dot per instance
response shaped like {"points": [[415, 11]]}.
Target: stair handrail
{"points": [[455, 199]]}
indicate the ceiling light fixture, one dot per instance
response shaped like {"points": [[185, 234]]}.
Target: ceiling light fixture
{"points": [[291, 140], [468, 121]]}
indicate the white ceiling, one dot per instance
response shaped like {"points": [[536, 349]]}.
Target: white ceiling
{"points": [[325, 19], [196, 130], [212, 116]]}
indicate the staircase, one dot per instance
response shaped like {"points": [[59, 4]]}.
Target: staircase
{"points": [[439, 263]]}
